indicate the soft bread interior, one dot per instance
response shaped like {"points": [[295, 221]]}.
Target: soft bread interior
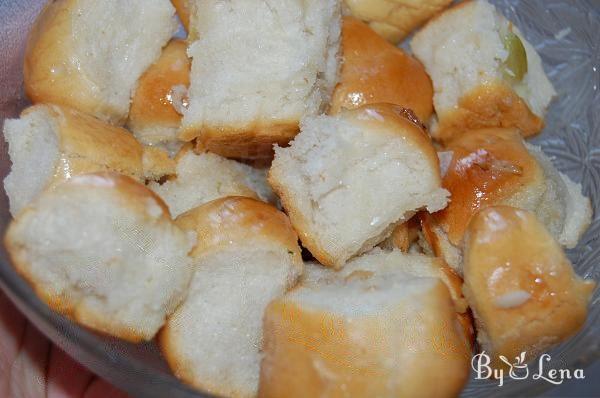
{"points": [[468, 39], [117, 41], [261, 63], [353, 186], [214, 338], [205, 177], [33, 148], [115, 263], [564, 211]]}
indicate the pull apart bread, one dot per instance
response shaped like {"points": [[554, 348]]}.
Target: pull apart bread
{"points": [[484, 72], [374, 71], [347, 180], [395, 19], [157, 106], [201, 178], [50, 144], [493, 167], [246, 255], [521, 287], [103, 250], [257, 69], [373, 329], [89, 54]]}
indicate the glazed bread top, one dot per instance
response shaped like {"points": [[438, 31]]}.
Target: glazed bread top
{"points": [[374, 71]]}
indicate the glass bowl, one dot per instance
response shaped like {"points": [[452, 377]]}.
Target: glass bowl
{"points": [[567, 35]]}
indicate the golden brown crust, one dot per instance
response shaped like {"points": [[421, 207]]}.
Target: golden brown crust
{"points": [[374, 71], [310, 352], [394, 20], [137, 195], [522, 288], [489, 105], [152, 103], [248, 142], [157, 163], [51, 69], [238, 220], [183, 12], [488, 166], [88, 145]]}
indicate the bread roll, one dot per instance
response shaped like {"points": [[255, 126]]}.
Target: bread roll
{"points": [[183, 12], [395, 19], [246, 255], [50, 144], [347, 180], [205, 177], [520, 285], [484, 72], [257, 69], [103, 250], [371, 330], [89, 54], [495, 166], [154, 116], [374, 71]]}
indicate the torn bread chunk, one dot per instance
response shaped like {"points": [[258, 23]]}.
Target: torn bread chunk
{"points": [[103, 250], [521, 287], [373, 329], [375, 71], [246, 255], [201, 178], [395, 19], [49, 144], [154, 116], [89, 54], [495, 166], [347, 180], [257, 69], [484, 72]]}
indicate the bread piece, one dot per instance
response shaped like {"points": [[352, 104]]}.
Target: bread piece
{"points": [[395, 19], [205, 177], [520, 285], [154, 118], [375, 71], [183, 12], [403, 237], [103, 250], [89, 54], [495, 166], [347, 180], [370, 330], [422, 266], [50, 144], [484, 72], [246, 255], [257, 69]]}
